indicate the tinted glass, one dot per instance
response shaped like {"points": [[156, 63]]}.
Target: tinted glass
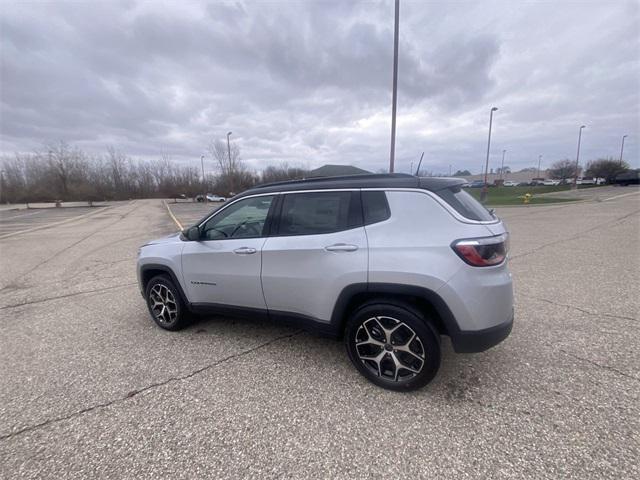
{"points": [[375, 207], [465, 204], [319, 212], [243, 219]]}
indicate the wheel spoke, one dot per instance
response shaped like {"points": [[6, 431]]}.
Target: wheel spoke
{"points": [[406, 349], [370, 341]]}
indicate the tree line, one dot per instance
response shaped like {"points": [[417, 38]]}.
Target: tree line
{"points": [[66, 173], [606, 168]]}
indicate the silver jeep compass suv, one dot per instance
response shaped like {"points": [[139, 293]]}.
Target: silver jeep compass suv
{"points": [[390, 262]]}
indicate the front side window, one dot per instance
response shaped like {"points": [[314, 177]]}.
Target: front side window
{"points": [[316, 213], [243, 219]]}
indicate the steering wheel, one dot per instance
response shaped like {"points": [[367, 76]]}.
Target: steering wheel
{"points": [[248, 226], [217, 230]]}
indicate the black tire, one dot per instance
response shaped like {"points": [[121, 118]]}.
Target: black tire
{"points": [[423, 360], [162, 292]]}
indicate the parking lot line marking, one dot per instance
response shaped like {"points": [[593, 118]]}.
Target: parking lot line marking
{"points": [[41, 227], [620, 196], [173, 217]]}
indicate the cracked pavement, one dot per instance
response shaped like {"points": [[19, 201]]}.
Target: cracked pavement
{"points": [[90, 388]]}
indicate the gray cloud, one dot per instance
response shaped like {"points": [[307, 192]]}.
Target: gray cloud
{"points": [[309, 83]]}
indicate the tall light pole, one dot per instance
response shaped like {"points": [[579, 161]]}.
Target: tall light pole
{"points": [[539, 162], [502, 166], [485, 188], [203, 186], [622, 149], [231, 172], [394, 101], [575, 177]]}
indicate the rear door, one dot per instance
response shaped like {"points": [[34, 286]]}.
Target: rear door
{"points": [[224, 266], [319, 247]]}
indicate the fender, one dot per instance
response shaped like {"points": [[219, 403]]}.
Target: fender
{"points": [[165, 269], [342, 306], [463, 341]]}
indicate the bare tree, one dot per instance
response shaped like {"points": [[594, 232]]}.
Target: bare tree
{"points": [[563, 169], [606, 168], [231, 168]]}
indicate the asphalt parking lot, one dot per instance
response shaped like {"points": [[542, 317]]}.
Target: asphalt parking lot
{"points": [[90, 388], [14, 221]]}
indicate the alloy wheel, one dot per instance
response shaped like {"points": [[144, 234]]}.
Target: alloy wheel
{"points": [[390, 348], [163, 304]]}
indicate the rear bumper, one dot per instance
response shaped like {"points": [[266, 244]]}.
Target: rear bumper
{"points": [[481, 340]]}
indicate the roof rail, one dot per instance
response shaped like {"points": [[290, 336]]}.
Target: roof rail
{"points": [[364, 176]]}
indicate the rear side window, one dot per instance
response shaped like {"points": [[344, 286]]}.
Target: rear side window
{"points": [[465, 204], [316, 213], [375, 207]]}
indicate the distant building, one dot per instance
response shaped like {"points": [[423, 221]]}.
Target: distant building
{"points": [[335, 170]]}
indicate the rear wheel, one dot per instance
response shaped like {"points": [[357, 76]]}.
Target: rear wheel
{"points": [[165, 303], [393, 347]]}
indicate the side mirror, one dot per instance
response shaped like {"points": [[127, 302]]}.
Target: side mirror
{"points": [[191, 233]]}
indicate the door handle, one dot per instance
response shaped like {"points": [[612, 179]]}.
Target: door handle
{"points": [[341, 247], [245, 250]]}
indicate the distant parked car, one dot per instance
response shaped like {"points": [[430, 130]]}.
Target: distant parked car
{"points": [[477, 184], [215, 198], [631, 177], [510, 183], [200, 198], [551, 183]]}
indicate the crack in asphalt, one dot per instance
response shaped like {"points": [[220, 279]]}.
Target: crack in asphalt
{"points": [[66, 295], [588, 312], [600, 365], [573, 237], [151, 386]]}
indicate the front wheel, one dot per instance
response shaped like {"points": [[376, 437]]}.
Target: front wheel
{"points": [[393, 347], [165, 303]]}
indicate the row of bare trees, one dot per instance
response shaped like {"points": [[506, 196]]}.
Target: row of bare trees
{"points": [[606, 168], [67, 173]]}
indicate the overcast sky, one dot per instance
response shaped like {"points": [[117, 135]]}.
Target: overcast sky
{"points": [[309, 83]]}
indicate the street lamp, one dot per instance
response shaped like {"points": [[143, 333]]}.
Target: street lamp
{"points": [[230, 169], [575, 177], [502, 166], [539, 161], [204, 194], [622, 149], [394, 100], [483, 194]]}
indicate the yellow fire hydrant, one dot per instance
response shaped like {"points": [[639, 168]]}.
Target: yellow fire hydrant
{"points": [[527, 198]]}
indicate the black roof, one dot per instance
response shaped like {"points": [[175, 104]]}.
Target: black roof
{"points": [[379, 180]]}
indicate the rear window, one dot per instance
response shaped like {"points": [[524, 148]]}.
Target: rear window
{"points": [[465, 204], [319, 212]]}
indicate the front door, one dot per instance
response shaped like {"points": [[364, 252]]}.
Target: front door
{"points": [[224, 266]]}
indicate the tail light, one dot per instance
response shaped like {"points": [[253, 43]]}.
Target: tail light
{"points": [[483, 252]]}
